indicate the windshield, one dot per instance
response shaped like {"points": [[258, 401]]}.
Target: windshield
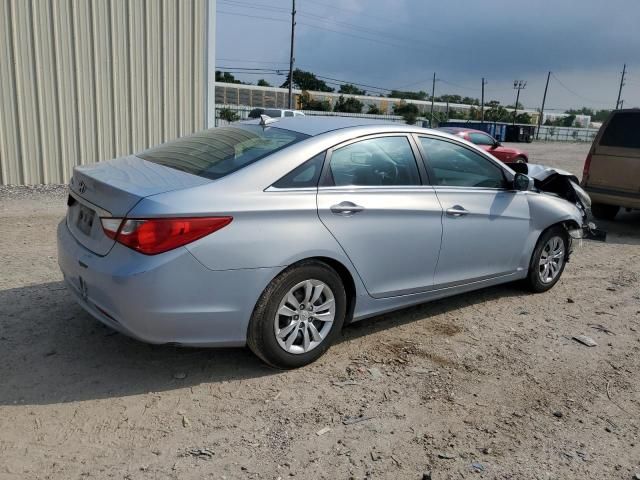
{"points": [[218, 152]]}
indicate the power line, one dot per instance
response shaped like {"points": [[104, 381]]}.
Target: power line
{"points": [[576, 93], [224, 12], [284, 62]]}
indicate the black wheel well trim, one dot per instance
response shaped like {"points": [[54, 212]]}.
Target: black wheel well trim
{"points": [[567, 225], [344, 274]]}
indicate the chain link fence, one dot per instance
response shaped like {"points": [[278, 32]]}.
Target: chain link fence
{"points": [[566, 134], [226, 114]]}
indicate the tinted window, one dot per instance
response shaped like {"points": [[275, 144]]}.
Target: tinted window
{"points": [[288, 113], [481, 139], [306, 175], [377, 161], [273, 113], [623, 131], [218, 152], [455, 165]]}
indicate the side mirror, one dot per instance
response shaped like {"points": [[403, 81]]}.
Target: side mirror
{"points": [[496, 144], [522, 182]]}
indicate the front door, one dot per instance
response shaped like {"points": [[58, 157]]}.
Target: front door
{"points": [[372, 199], [485, 223]]}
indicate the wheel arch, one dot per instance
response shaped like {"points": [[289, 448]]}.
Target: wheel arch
{"points": [[348, 280]]}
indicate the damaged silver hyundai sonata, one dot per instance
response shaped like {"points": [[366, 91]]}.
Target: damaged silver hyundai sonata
{"points": [[275, 234]]}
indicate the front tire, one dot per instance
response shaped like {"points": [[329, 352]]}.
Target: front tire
{"points": [[548, 260], [603, 211], [298, 316]]}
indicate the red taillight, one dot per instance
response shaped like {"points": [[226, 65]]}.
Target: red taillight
{"points": [[157, 235], [587, 166]]}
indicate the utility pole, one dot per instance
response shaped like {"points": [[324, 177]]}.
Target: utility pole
{"points": [[482, 102], [544, 99], [517, 85], [433, 93], [293, 28], [624, 71]]}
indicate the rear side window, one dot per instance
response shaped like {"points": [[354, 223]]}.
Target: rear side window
{"points": [[623, 130], [218, 152], [303, 176]]}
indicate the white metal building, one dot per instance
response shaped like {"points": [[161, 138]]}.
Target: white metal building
{"points": [[89, 80]]}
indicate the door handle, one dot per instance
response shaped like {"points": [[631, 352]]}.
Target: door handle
{"points": [[346, 208], [457, 211]]}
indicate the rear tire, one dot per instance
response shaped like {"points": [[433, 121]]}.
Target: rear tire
{"points": [[284, 331], [604, 212], [548, 260]]}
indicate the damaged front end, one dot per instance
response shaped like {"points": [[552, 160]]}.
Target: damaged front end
{"points": [[554, 181]]}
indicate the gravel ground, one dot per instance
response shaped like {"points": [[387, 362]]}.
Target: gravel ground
{"points": [[485, 385]]}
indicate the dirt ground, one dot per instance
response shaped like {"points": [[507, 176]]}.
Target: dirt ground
{"points": [[485, 385]]}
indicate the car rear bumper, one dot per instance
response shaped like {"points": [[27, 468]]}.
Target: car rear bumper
{"points": [[613, 197], [167, 298]]}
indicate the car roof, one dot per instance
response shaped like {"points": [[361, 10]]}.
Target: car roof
{"points": [[461, 130], [316, 125]]}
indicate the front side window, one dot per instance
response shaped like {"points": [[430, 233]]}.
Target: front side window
{"points": [[481, 139], [375, 162], [218, 152], [455, 165]]}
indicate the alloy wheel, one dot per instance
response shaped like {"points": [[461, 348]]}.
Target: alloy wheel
{"points": [[551, 259], [305, 316]]}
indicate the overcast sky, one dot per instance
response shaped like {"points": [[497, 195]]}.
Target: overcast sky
{"points": [[398, 44]]}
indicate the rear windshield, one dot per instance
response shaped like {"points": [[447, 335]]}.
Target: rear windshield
{"points": [[273, 113], [623, 130], [218, 152]]}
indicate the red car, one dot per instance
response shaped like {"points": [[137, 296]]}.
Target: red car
{"points": [[488, 143]]}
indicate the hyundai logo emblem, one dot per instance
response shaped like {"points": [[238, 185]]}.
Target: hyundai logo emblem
{"points": [[82, 187]]}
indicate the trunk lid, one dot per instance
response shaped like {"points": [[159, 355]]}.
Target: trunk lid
{"points": [[112, 189]]}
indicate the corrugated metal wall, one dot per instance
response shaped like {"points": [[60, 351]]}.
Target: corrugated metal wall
{"points": [[89, 80]]}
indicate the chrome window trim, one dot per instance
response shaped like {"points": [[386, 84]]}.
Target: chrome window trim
{"points": [[407, 135]]}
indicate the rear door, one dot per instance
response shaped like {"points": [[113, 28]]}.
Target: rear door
{"points": [[615, 160], [485, 224], [373, 199]]}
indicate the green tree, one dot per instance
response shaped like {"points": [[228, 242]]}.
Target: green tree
{"points": [[348, 105], [408, 111], [228, 115], [226, 77], [307, 81], [373, 109], [470, 101], [449, 98], [408, 95], [307, 102], [523, 118], [351, 89], [263, 83], [496, 112]]}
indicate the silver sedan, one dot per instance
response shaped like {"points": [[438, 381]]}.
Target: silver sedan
{"points": [[275, 234]]}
